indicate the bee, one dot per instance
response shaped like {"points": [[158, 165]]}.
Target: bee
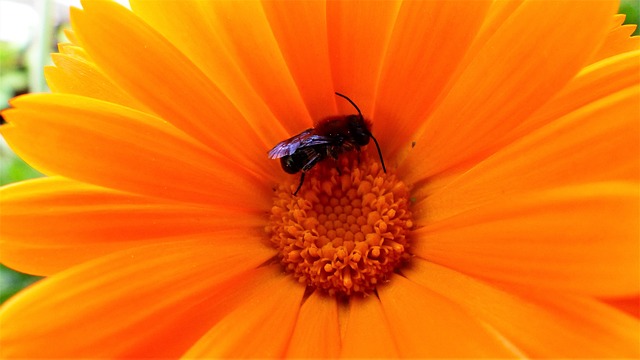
{"points": [[331, 137]]}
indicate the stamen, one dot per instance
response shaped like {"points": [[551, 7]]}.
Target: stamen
{"points": [[346, 231]]}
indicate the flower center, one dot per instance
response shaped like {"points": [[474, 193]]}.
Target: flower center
{"points": [[347, 230]]}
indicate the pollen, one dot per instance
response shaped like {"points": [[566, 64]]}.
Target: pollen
{"points": [[348, 228]]}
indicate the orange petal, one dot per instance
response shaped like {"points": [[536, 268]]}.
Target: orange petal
{"points": [[425, 48], [233, 44], [358, 34], [594, 83], [424, 324], [498, 13], [105, 308], [300, 28], [206, 49], [317, 332], [618, 41], [629, 305], [261, 325], [71, 36], [76, 52], [150, 68], [540, 47], [109, 145], [51, 224], [367, 333], [597, 142], [73, 75], [244, 31], [581, 239], [547, 325]]}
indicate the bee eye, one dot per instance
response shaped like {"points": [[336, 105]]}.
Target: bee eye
{"points": [[359, 135], [361, 138]]}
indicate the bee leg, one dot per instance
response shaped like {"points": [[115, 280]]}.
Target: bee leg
{"points": [[299, 185]]}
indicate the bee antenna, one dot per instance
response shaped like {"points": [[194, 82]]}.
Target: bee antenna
{"points": [[379, 153], [352, 103], [368, 132]]}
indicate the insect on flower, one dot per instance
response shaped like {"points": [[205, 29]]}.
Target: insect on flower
{"points": [[331, 137]]}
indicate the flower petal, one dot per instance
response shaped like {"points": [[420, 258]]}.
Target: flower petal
{"points": [[317, 332], [543, 324], [594, 143], [268, 315], [528, 59], [71, 36], [245, 32], [425, 48], [424, 324], [51, 224], [594, 83], [629, 305], [358, 34], [207, 48], [148, 67], [75, 75], [113, 146], [618, 41], [300, 29], [128, 303], [367, 334], [580, 239]]}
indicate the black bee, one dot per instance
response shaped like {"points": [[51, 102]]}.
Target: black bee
{"points": [[331, 137]]}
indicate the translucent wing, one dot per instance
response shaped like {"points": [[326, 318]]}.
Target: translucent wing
{"points": [[304, 139]]}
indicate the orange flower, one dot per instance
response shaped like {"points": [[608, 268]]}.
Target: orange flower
{"points": [[506, 225]]}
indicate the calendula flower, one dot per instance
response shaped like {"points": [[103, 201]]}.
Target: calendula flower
{"points": [[506, 224]]}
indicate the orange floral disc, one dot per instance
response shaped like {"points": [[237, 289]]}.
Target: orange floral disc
{"points": [[347, 230]]}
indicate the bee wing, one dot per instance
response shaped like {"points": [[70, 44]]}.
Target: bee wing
{"points": [[302, 140]]}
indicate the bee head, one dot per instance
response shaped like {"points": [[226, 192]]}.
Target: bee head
{"points": [[358, 129], [361, 129]]}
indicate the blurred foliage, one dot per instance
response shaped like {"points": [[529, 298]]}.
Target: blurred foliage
{"points": [[13, 75], [631, 8], [13, 169], [14, 80], [11, 282]]}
